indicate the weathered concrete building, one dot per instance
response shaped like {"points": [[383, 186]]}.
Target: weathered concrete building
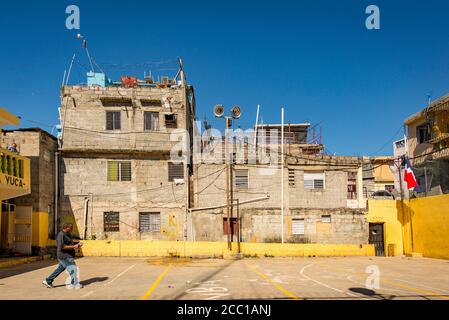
{"points": [[31, 217], [117, 179], [323, 199], [379, 175], [428, 147]]}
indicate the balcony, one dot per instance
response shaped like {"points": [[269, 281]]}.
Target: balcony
{"points": [[14, 175]]}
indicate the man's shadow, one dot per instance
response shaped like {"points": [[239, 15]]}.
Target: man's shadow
{"points": [[88, 281]]}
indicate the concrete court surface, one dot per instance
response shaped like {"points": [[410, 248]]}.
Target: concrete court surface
{"points": [[251, 278]]}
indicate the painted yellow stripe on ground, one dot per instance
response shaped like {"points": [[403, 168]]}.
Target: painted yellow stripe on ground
{"points": [[430, 293], [155, 284], [409, 288], [277, 285]]}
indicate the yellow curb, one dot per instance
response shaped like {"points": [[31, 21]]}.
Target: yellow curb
{"points": [[15, 262]]}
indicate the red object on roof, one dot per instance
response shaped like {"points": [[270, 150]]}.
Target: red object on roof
{"points": [[129, 81]]}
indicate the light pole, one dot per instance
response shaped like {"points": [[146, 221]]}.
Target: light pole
{"points": [[235, 114]]}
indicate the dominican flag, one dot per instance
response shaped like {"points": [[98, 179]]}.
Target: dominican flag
{"points": [[409, 176]]}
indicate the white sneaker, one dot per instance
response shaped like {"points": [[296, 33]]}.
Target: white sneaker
{"points": [[48, 285], [76, 287]]}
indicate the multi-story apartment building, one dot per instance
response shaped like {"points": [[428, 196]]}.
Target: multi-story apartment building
{"points": [[428, 147], [116, 176], [323, 199]]}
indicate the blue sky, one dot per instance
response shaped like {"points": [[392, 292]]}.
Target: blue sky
{"points": [[314, 57]]}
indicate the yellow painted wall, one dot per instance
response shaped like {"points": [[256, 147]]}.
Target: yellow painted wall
{"points": [[40, 229], [388, 212], [129, 248], [430, 224]]}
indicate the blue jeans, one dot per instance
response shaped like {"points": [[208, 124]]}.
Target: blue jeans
{"points": [[64, 264]]}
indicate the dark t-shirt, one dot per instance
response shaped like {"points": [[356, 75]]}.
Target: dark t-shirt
{"points": [[64, 239]]}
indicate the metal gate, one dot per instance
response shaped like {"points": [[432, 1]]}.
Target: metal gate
{"points": [[7, 225], [376, 237], [23, 229]]}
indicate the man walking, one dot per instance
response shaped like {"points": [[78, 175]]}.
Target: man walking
{"points": [[66, 257]]}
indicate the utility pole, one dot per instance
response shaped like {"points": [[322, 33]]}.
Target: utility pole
{"points": [[228, 174], [235, 114], [282, 175]]}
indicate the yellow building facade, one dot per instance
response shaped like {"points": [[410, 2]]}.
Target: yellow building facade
{"points": [[15, 181]]}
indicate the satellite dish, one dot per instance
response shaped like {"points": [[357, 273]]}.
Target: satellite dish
{"points": [[219, 110], [236, 112]]}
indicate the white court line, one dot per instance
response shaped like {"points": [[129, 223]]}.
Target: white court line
{"points": [[321, 283], [382, 288], [422, 285], [119, 275]]}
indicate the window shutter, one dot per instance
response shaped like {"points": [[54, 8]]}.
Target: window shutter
{"points": [[241, 178], [298, 227], [314, 180], [151, 121], [117, 121], [109, 121], [291, 177], [113, 171], [175, 171], [125, 171]]}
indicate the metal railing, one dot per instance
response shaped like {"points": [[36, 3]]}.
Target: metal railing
{"points": [[12, 164]]}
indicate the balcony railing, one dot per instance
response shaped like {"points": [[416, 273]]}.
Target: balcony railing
{"points": [[14, 175]]}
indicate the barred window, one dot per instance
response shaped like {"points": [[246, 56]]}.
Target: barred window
{"points": [[113, 121], [119, 170], [314, 180], [241, 179], [150, 222], [111, 221], [175, 171], [151, 121]]}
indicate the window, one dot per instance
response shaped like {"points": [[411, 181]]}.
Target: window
{"points": [[291, 177], [297, 226], [151, 103], [151, 121], [111, 221], [119, 170], [352, 185], [326, 218], [314, 180], [113, 120], [150, 222], [171, 120], [175, 171], [241, 179], [422, 133]]}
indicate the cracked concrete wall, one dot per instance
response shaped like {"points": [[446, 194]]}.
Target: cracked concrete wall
{"points": [[88, 146], [261, 220]]}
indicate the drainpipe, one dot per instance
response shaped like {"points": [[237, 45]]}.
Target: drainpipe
{"points": [[86, 206], [55, 218]]}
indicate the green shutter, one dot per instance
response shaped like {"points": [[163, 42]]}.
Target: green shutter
{"points": [[113, 171]]}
